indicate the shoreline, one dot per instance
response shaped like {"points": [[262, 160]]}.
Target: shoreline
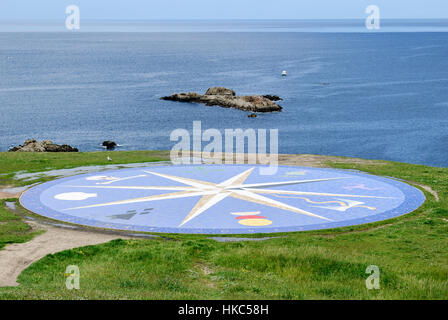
{"points": [[165, 152]]}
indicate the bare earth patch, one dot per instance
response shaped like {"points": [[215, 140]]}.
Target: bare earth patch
{"points": [[206, 271], [311, 160], [8, 195], [306, 160], [429, 189]]}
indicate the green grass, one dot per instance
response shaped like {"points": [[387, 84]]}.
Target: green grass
{"points": [[411, 252], [12, 162], [12, 228]]}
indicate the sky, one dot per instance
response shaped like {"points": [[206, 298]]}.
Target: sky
{"points": [[227, 9]]}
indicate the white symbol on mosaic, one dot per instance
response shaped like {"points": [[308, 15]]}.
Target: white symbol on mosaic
{"points": [[110, 179], [295, 173], [345, 204], [75, 196], [342, 205], [361, 187]]}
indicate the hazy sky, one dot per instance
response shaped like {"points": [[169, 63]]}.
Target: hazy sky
{"points": [[226, 9]]}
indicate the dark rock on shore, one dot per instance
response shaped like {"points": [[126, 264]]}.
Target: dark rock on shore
{"points": [[15, 149], [109, 145], [272, 97], [44, 146], [226, 98]]}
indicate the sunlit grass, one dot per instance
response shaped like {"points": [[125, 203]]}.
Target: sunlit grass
{"points": [[12, 228], [12, 162]]}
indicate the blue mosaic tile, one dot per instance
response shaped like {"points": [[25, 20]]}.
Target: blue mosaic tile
{"points": [[222, 199]]}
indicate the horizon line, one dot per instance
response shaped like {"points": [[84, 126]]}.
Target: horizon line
{"points": [[221, 19]]}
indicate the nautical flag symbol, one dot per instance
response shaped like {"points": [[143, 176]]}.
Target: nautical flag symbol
{"points": [[252, 219]]}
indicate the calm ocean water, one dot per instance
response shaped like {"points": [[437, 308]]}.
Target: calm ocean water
{"points": [[386, 95]]}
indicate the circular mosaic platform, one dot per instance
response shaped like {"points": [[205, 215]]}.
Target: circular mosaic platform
{"points": [[222, 199]]}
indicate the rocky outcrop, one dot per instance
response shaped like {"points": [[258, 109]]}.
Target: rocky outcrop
{"points": [[110, 145], [44, 146], [220, 91], [223, 97], [272, 97]]}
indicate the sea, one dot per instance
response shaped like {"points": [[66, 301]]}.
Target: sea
{"points": [[350, 91]]}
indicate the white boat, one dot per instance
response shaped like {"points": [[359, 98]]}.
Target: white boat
{"points": [[284, 73]]}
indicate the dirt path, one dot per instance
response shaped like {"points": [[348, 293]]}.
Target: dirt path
{"points": [[7, 195], [15, 258], [306, 160], [429, 189], [4, 195]]}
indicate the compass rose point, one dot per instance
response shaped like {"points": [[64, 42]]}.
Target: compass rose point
{"points": [[196, 201]]}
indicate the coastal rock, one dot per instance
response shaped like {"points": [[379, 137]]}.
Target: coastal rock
{"points": [[51, 147], [109, 144], [66, 148], [252, 115], [272, 97], [32, 145], [15, 149], [220, 91], [226, 98]]}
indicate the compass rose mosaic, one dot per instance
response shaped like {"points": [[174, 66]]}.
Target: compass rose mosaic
{"points": [[222, 199]]}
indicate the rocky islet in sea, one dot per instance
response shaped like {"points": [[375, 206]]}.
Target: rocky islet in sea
{"points": [[226, 98]]}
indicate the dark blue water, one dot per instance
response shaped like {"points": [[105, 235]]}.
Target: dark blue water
{"points": [[386, 98]]}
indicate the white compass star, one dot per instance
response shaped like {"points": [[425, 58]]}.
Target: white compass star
{"points": [[212, 193]]}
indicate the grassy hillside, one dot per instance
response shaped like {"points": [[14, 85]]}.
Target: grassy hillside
{"points": [[411, 252], [12, 162], [12, 228]]}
